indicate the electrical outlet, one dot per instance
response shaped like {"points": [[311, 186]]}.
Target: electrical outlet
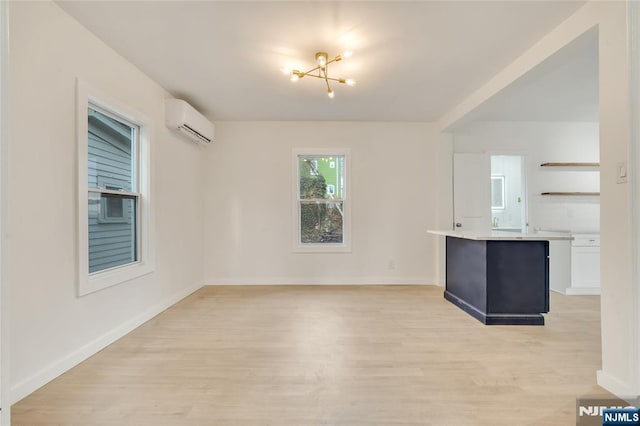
{"points": [[391, 264]]}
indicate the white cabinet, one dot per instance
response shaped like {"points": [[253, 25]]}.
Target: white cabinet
{"points": [[560, 265], [585, 264], [574, 267]]}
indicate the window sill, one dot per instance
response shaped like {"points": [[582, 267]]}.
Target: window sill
{"points": [[111, 277], [322, 249]]}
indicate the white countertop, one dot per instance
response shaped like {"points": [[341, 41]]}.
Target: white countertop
{"points": [[502, 235], [573, 230]]}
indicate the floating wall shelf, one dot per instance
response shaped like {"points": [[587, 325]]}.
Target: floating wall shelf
{"points": [[584, 165], [571, 193], [570, 165]]}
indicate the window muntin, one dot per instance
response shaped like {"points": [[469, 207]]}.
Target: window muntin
{"points": [[113, 196], [321, 191]]}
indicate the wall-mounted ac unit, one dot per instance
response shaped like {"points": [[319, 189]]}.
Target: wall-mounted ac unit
{"points": [[182, 117]]}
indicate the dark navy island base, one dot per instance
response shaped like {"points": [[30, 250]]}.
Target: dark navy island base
{"points": [[499, 282]]}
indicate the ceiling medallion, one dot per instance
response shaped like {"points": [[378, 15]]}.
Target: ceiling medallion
{"points": [[322, 71]]}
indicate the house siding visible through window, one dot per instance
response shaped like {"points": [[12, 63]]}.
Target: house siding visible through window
{"points": [[112, 219]]}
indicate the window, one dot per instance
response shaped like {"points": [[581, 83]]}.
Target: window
{"points": [[114, 209], [322, 210], [113, 196]]}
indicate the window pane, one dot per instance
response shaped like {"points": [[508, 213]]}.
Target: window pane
{"points": [[321, 177], [112, 231], [114, 208], [321, 222], [111, 153]]}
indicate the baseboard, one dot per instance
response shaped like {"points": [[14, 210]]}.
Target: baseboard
{"points": [[616, 386], [322, 281], [583, 291], [44, 376]]}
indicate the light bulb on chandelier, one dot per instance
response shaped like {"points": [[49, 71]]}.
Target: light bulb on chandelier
{"points": [[321, 58]]}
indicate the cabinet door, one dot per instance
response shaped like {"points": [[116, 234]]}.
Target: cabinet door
{"points": [[585, 267]]}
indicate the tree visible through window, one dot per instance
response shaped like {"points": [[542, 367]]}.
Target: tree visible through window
{"points": [[321, 199]]}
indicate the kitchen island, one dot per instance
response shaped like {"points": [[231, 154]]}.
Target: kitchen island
{"points": [[499, 278]]}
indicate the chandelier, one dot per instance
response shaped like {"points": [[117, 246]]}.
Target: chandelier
{"points": [[321, 71]]}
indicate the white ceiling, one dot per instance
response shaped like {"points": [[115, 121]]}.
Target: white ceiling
{"points": [[562, 88], [413, 61]]}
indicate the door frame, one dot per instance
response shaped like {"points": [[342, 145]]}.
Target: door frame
{"points": [[5, 414]]}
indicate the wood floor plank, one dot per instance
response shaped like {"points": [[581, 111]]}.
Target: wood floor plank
{"points": [[330, 355]]}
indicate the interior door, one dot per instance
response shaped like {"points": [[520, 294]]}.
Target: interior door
{"points": [[472, 192]]}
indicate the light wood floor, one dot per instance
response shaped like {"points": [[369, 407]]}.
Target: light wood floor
{"points": [[330, 355]]}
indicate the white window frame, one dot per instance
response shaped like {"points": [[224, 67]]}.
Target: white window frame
{"points": [[298, 246], [92, 282]]}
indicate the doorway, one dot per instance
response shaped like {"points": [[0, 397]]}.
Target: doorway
{"points": [[489, 192], [508, 193]]}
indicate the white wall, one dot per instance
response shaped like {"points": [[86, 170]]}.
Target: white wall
{"points": [[620, 333], [541, 143], [445, 200], [51, 328], [249, 221]]}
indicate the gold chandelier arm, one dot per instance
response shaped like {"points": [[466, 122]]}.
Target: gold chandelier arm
{"points": [[312, 70], [339, 80], [326, 77], [313, 75], [336, 59]]}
